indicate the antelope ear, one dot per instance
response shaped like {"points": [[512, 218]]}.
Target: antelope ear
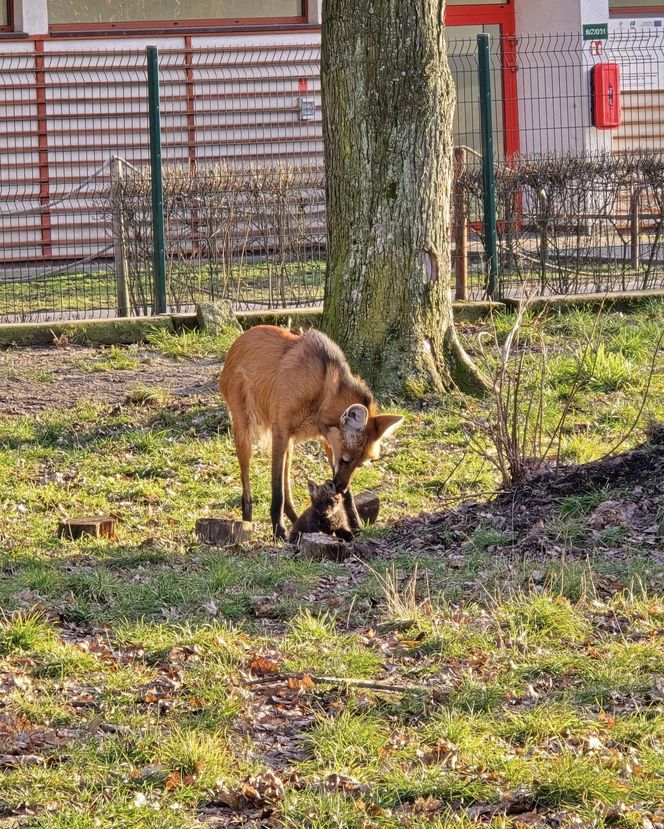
{"points": [[353, 421], [386, 424]]}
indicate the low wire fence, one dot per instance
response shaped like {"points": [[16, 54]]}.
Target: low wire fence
{"points": [[578, 208]]}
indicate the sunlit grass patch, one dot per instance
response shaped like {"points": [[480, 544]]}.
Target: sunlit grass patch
{"points": [[477, 695], [55, 783], [310, 809], [313, 644], [645, 611], [191, 345], [208, 700], [542, 619], [158, 639], [572, 580], [404, 785], [462, 728], [570, 780], [348, 743], [43, 708], [63, 660], [25, 631], [455, 640], [112, 359], [538, 724], [127, 815], [639, 729], [610, 686], [201, 755]]}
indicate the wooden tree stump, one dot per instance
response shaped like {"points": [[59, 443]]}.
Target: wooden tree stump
{"points": [[319, 546], [368, 506], [97, 526], [221, 532]]}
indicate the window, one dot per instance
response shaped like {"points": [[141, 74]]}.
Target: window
{"points": [[167, 11], [4, 13]]}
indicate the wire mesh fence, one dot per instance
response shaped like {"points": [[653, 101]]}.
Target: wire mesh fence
{"points": [[244, 181], [244, 188], [579, 208], [63, 115]]}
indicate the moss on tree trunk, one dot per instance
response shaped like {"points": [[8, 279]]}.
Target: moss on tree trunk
{"points": [[388, 104]]}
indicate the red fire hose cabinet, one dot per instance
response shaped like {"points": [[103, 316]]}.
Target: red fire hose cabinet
{"points": [[605, 86]]}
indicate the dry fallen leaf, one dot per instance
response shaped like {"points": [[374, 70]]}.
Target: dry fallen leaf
{"points": [[304, 683], [262, 666], [176, 779]]}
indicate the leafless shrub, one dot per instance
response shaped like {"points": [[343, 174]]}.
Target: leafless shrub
{"points": [[231, 233], [513, 434], [565, 221]]}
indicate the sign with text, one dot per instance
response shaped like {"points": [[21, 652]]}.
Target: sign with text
{"points": [[595, 31]]}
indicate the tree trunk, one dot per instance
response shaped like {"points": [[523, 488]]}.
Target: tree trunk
{"points": [[388, 104]]}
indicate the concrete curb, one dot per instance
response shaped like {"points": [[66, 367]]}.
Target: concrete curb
{"points": [[83, 332], [135, 329]]}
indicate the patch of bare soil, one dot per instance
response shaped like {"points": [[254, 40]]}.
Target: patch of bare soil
{"points": [[49, 378], [628, 518]]}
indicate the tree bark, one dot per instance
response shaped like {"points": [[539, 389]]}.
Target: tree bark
{"points": [[388, 104]]}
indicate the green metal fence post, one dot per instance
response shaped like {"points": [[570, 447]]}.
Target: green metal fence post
{"points": [[489, 180], [158, 236]]}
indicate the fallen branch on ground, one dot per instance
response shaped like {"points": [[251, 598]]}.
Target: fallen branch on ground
{"points": [[435, 693]]}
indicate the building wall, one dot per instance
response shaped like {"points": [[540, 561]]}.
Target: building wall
{"points": [[232, 97], [554, 105], [75, 103]]}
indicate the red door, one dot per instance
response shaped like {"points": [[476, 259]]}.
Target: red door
{"points": [[497, 19]]}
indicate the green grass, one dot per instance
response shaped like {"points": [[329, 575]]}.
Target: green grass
{"points": [[302, 283], [113, 359], [23, 632], [126, 663], [191, 345]]}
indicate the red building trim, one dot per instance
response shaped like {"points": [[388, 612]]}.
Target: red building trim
{"points": [[486, 13], [494, 14], [633, 11]]}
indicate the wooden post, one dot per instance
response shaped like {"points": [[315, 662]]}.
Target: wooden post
{"points": [[96, 526], [120, 241], [544, 234], [318, 547], [460, 226], [367, 505], [220, 532], [635, 230]]}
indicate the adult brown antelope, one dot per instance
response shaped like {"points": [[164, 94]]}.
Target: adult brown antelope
{"points": [[295, 387]]}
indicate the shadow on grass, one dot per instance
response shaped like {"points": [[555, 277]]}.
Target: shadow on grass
{"points": [[179, 418]]}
